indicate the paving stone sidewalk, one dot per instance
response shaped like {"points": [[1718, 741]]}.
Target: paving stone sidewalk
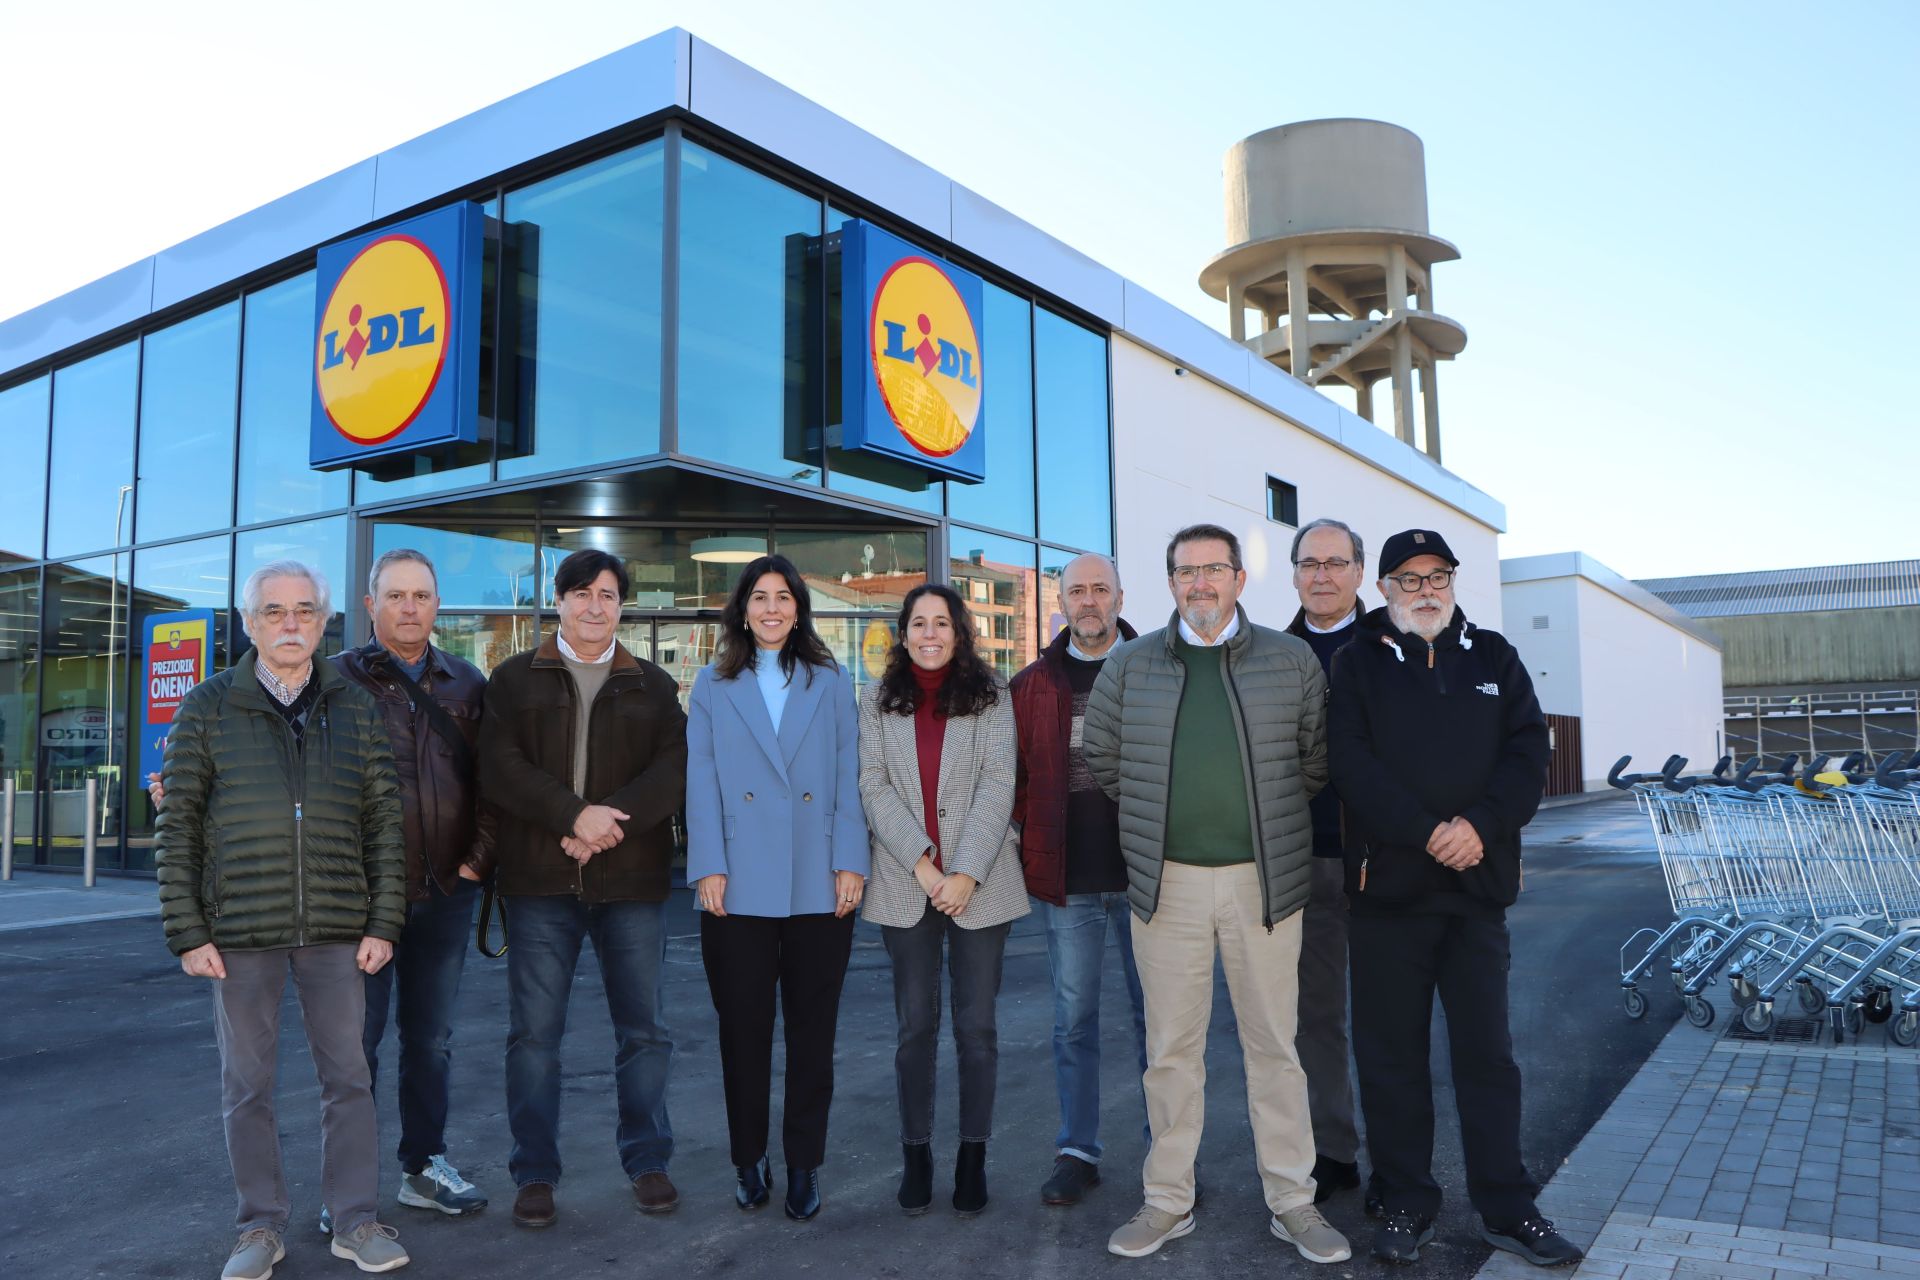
{"points": [[1748, 1161], [41, 899]]}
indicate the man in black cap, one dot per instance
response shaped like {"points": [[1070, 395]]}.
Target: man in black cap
{"points": [[1439, 752]]}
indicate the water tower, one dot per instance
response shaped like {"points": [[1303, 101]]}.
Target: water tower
{"points": [[1328, 223]]}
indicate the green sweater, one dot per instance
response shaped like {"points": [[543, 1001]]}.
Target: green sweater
{"points": [[1208, 819]]}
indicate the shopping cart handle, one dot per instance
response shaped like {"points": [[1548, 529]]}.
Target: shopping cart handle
{"points": [[1743, 778], [1787, 766], [1720, 769], [1853, 762], [1624, 781], [1670, 776], [1809, 774], [1889, 773]]}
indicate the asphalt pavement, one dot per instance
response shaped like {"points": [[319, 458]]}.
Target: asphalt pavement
{"points": [[116, 1167]]}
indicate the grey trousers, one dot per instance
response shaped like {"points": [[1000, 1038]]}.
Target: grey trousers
{"points": [[1321, 1039], [333, 1005]]}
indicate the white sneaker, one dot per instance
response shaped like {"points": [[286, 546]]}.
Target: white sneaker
{"points": [[1307, 1230], [1147, 1230]]}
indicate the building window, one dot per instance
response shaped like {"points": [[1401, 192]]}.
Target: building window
{"points": [[1283, 503], [1075, 455], [90, 479], [1004, 500], [998, 578], [23, 442], [276, 410], [187, 381]]}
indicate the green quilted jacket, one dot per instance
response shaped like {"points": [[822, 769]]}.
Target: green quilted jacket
{"points": [[262, 846]]}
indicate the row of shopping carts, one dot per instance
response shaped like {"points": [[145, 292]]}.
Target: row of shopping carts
{"points": [[1797, 884]]}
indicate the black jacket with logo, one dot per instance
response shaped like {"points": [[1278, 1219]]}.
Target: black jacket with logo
{"points": [[1421, 733]]}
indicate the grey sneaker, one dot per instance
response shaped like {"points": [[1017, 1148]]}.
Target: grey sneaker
{"points": [[1147, 1230], [1309, 1232], [371, 1246], [254, 1255], [440, 1186]]}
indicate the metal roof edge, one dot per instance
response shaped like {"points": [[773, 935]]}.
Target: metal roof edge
{"points": [[1578, 564]]}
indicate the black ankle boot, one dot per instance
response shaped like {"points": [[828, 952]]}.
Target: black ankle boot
{"points": [[803, 1194], [970, 1179], [916, 1177], [750, 1183]]}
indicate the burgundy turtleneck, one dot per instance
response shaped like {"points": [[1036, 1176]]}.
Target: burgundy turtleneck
{"points": [[929, 732]]}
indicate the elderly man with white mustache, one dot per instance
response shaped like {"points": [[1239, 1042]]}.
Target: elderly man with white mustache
{"points": [[1439, 752]]}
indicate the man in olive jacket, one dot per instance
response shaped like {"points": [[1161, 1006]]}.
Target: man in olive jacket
{"points": [[279, 849], [583, 751], [1211, 735]]}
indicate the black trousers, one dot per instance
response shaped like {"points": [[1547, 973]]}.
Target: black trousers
{"points": [[1398, 962], [746, 958], [973, 960]]}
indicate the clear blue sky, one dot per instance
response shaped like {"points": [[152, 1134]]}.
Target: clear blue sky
{"points": [[1656, 205]]}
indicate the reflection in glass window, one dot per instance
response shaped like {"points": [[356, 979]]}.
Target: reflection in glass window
{"points": [[745, 322], [681, 649], [866, 569], [477, 567], [860, 644], [485, 640], [864, 475], [23, 443], [1004, 499], [90, 477], [83, 717], [20, 694], [181, 575], [583, 254], [276, 410], [666, 568], [1075, 449], [321, 544], [997, 578], [187, 377]]}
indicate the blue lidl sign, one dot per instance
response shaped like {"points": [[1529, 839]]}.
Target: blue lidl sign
{"points": [[396, 348], [913, 372]]}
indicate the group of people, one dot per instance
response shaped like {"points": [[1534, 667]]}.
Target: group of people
{"points": [[338, 819]]}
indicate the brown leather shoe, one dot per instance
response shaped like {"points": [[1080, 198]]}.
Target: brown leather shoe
{"points": [[654, 1193], [533, 1206]]}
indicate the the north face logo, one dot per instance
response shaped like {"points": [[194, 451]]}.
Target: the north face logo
{"points": [[1489, 688]]}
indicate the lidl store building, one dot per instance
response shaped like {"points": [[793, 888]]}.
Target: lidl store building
{"points": [[662, 306]]}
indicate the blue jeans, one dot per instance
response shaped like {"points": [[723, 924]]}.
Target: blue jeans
{"points": [[630, 942], [1076, 955], [426, 967]]}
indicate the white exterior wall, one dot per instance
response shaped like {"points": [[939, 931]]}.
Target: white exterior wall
{"points": [[1650, 689], [1641, 686], [1187, 451], [1552, 655]]}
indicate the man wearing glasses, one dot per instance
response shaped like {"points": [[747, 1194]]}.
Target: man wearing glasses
{"points": [[1329, 561], [1440, 753], [280, 851], [1210, 733]]}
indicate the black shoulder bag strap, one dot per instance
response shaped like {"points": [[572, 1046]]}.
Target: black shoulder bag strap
{"points": [[456, 741]]}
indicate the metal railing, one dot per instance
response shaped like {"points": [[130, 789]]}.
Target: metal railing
{"points": [[1876, 722]]}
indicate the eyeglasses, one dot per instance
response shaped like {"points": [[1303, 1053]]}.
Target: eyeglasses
{"points": [[1310, 568], [1410, 582], [275, 614], [1215, 572]]}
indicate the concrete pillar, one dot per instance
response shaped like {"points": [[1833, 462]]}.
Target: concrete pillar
{"points": [[1236, 311], [1430, 395], [1402, 344], [1363, 400], [1300, 348]]}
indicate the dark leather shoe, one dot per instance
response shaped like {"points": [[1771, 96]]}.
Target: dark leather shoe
{"points": [[970, 1179], [533, 1205], [1534, 1239], [1400, 1236], [1072, 1179], [750, 1189], [916, 1177], [1332, 1177], [654, 1193], [803, 1194], [1375, 1201]]}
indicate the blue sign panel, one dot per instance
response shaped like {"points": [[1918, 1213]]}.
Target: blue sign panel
{"points": [[913, 371], [396, 348], [179, 649]]}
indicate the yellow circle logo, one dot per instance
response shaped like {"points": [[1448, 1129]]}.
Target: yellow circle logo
{"points": [[874, 647], [383, 339], [925, 356]]}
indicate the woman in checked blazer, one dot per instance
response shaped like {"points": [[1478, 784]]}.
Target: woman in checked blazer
{"points": [[936, 777]]}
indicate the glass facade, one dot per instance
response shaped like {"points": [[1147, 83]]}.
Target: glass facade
{"points": [[189, 379], [670, 296]]}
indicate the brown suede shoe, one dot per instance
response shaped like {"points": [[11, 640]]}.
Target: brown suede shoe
{"points": [[533, 1206], [654, 1193]]}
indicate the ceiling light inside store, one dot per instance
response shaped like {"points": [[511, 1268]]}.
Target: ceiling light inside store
{"points": [[728, 550]]}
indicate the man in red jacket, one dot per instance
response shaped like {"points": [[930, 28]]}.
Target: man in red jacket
{"points": [[1070, 847]]}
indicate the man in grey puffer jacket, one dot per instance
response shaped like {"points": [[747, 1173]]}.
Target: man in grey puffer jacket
{"points": [[1211, 735]]}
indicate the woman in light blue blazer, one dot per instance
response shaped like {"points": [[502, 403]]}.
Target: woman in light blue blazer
{"points": [[777, 857]]}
